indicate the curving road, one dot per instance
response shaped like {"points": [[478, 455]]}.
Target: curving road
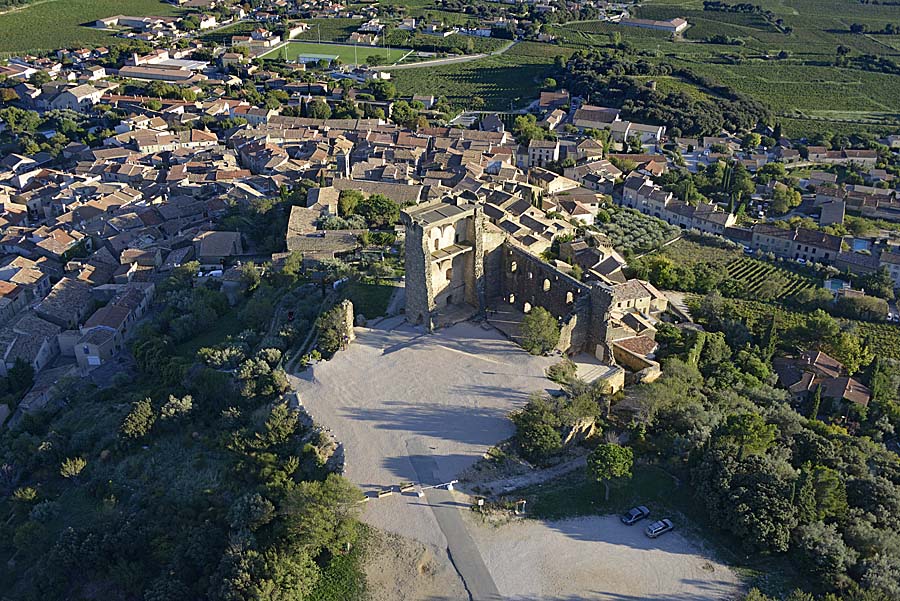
{"points": [[446, 61]]}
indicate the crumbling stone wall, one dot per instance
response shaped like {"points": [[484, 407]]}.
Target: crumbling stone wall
{"points": [[475, 284], [491, 284], [527, 282], [499, 273], [346, 308], [601, 337]]}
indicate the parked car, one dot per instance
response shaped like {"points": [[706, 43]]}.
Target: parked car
{"points": [[657, 528], [635, 514]]}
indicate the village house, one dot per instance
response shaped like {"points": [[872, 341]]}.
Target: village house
{"points": [[541, 152], [30, 339], [642, 194], [67, 304], [80, 99], [814, 370], [799, 244], [215, 248]]}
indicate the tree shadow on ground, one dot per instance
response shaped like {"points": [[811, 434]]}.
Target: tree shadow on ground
{"points": [[467, 425]]}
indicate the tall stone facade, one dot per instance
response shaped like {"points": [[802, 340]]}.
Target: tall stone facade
{"points": [[445, 247], [583, 310]]}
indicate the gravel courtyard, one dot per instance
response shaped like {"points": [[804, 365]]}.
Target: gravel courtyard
{"points": [[411, 407], [399, 399]]}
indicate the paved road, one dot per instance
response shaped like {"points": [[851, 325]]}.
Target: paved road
{"points": [[445, 61], [463, 553]]}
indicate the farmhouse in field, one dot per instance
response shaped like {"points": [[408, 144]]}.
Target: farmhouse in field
{"points": [[672, 25]]}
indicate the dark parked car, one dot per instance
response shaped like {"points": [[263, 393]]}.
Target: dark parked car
{"points": [[658, 528], [635, 514]]}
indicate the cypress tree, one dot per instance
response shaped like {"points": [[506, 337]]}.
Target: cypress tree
{"points": [[817, 401]]}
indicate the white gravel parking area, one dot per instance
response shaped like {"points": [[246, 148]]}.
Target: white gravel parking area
{"points": [[599, 558]]}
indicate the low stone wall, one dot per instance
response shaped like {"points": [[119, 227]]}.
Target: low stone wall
{"points": [[643, 370]]}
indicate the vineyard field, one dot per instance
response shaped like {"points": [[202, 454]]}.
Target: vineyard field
{"points": [[511, 78], [758, 278], [51, 25]]}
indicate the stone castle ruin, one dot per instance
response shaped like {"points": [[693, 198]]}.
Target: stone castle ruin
{"points": [[459, 264]]}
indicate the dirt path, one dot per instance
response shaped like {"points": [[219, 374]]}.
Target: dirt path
{"points": [[447, 61], [400, 569], [298, 353], [502, 486], [15, 9]]}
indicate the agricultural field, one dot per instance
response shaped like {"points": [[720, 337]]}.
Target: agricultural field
{"points": [[224, 35], [347, 54], [883, 338], [504, 80], [806, 91], [805, 127], [454, 44], [56, 24], [806, 86], [758, 279], [329, 30], [687, 251], [630, 231]]}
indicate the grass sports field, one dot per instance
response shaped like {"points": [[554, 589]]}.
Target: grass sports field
{"points": [[51, 24], [344, 52]]}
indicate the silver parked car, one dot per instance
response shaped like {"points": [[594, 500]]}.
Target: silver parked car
{"points": [[634, 515], [661, 527]]}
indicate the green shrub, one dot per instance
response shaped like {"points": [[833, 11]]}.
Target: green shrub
{"points": [[540, 332]]}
